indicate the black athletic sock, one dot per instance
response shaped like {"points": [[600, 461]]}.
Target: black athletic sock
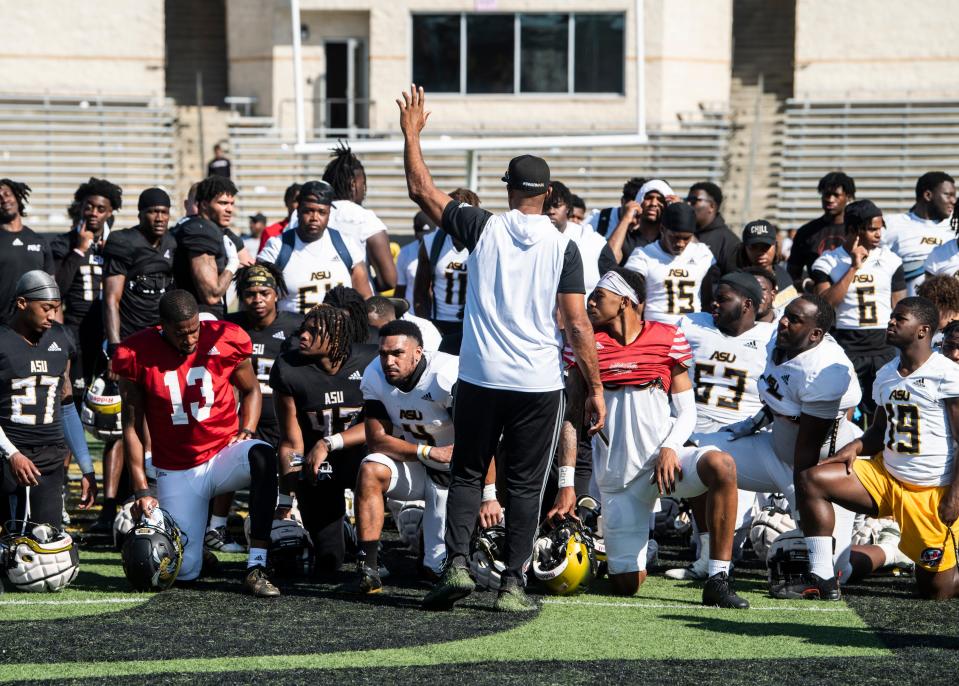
{"points": [[368, 553], [109, 510]]}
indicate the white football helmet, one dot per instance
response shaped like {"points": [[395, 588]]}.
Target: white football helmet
{"points": [[768, 525], [788, 558], [38, 557], [100, 412], [866, 530]]}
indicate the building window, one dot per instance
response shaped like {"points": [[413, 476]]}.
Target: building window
{"points": [[483, 53]]}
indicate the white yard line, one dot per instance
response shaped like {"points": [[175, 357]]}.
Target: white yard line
{"points": [[91, 601], [679, 606]]}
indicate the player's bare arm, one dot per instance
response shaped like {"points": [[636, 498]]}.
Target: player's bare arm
{"points": [[379, 255], [491, 512], [360, 278], [869, 443], [291, 439], [251, 399], [835, 293], [813, 432], [949, 505], [573, 426], [113, 287], [627, 217], [88, 481], [579, 333], [419, 182], [379, 439], [210, 285], [132, 408], [422, 293]]}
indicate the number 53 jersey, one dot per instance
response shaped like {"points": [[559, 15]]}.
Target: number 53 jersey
{"points": [[189, 403], [919, 444], [31, 382]]}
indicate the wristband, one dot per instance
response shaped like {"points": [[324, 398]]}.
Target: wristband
{"points": [[334, 442], [489, 492], [248, 432], [112, 349], [567, 477], [422, 451], [284, 500], [142, 493]]}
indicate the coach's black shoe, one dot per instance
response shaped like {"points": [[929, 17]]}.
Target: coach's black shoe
{"points": [[512, 598], [455, 584], [258, 584], [810, 587], [718, 592], [370, 581]]}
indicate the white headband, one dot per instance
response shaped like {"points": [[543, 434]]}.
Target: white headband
{"points": [[657, 185], [614, 283]]}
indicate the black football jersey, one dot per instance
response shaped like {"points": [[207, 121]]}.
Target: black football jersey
{"points": [[31, 383], [148, 274], [198, 236], [268, 344], [325, 404], [84, 287], [20, 252]]}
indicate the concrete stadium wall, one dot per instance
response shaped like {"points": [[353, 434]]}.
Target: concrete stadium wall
{"points": [[110, 47], [878, 49]]}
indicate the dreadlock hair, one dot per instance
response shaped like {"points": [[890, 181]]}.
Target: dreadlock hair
{"points": [[240, 277], [349, 300], [21, 192], [101, 187], [465, 195], [332, 325], [341, 171], [212, 186]]}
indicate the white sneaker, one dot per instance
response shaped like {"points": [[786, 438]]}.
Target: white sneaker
{"points": [[697, 571], [217, 539]]}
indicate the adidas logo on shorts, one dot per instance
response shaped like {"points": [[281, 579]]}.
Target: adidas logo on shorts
{"points": [[54, 348], [356, 376], [213, 351]]}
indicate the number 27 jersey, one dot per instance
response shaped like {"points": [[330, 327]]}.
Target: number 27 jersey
{"points": [[189, 403]]}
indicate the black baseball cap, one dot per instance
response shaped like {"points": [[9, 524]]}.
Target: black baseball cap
{"points": [[745, 284], [527, 174], [759, 231], [679, 217], [258, 217]]}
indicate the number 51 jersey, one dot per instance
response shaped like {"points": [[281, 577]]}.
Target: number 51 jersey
{"points": [[190, 407]]}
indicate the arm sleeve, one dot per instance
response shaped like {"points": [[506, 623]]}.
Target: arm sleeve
{"points": [[465, 223], [899, 280], [571, 278], [684, 404], [75, 438]]}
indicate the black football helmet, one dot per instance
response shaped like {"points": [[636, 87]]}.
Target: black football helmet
{"points": [[153, 552]]}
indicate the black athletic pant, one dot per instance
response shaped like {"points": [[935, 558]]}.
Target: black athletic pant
{"points": [[46, 498], [529, 424], [322, 507]]}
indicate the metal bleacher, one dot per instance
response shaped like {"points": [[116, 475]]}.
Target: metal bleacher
{"points": [[264, 164], [884, 145], [56, 143]]}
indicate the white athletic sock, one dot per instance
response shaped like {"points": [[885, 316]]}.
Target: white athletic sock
{"points": [[256, 557], [717, 566], [217, 522], [820, 556], [703, 556]]}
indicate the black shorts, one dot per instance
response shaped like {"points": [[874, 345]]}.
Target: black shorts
{"points": [[46, 498]]}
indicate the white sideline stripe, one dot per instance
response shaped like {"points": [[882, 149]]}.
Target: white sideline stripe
{"points": [[679, 606], [103, 601]]}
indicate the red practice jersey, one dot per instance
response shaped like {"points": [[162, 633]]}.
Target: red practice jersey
{"points": [[190, 406], [647, 360]]}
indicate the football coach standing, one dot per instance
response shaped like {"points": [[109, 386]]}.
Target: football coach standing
{"points": [[510, 373]]}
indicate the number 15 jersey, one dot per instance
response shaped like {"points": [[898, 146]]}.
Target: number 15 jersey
{"points": [[673, 282], [189, 403]]}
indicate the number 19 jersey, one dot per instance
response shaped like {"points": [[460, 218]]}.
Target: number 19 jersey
{"points": [[190, 407], [673, 282], [919, 444]]}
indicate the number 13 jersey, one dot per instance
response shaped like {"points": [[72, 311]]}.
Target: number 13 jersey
{"points": [[918, 443], [673, 282], [189, 403]]}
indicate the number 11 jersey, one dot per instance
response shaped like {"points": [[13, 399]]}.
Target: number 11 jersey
{"points": [[188, 400]]}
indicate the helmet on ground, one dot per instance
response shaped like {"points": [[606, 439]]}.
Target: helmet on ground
{"points": [[563, 559], [153, 552], [101, 408], [123, 524], [488, 556], [291, 548], [768, 524], [38, 557], [590, 514], [788, 559]]}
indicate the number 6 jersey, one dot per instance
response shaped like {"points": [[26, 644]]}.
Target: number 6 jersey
{"points": [[868, 302], [918, 443], [189, 403]]}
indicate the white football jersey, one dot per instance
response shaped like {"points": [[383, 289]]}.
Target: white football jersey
{"points": [[943, 260], [590, 246], [820, 382], [431, 335], [313, 269], [725, 369], [913, 238], [406, 262], [672, 281], [423, 414], [868, 302], [449, 279], [919, 444], [355, 221]]}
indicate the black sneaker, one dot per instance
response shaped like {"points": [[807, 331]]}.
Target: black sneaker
{"points": [[370, 582], [512, 598], [455, 584], [718, 592], [810, 587]]}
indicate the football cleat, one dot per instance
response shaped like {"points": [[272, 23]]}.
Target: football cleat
{"points": [[370, 582], [455, 584], [810, 587], [218, 540], [38, 557], [697, 571], [258, 584], [718, 592]]}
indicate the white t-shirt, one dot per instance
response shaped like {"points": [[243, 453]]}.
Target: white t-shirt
{"points": [[943, 260], [355, 221], [312, 270], [406, 263], [820, 382], [919, 442], [431, 335], [590, 246], [725, 369], [868, 301], [422, 414], [913, 238], [449, 279], [673, 282]]}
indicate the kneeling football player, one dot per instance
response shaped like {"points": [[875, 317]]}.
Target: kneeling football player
{"points": [[642, 454], [915, 481], [180, 377]]}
